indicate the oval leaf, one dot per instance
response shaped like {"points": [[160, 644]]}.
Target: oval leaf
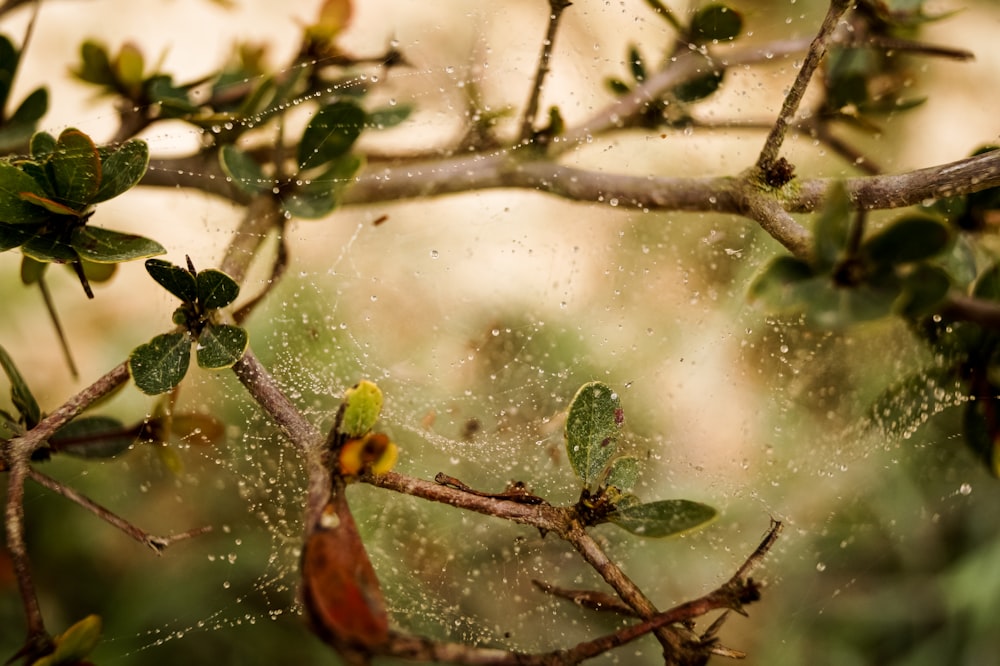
{"points": [[221, 346], [93, 437], [623, 473], [12, 236], [76, 643], [911, 238], [330, 134], [160, 365], [833, 226], [592, 426], [178, 281], [716, 23], [122, 169], [215, 289], [21, 395], [663, 518], [14, 208], [360, 409], [103, 246], [244, 171], [50, 248], [988, 284], [76, 169]]}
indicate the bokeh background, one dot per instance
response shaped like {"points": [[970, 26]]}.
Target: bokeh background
{"points": [[480, 315]]}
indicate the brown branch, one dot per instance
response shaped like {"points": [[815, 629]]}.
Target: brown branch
{"points": [[17, 547], [156, 543], [556, 8], [817, 49]]}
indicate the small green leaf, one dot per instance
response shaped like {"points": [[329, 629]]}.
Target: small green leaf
{"points": [[716, 23], [592, 426], [221, 346], [178, 281], [360, 409], [95, 66], [76, 169], [617, 86], [663, 518], [987, 285], [636, 64], [320, 195], [911, 238], [623, 473], [244, 171], [104, 246], [122, 169], [924, 288], [14, 209], [216, 289], [43, 144], [160, 365], [21, 395], [330, 134], [776, 287], [50, 247], [22, 123], [833, 227], [50, 205], [31, 270], [93, 437], [128, 68], [701, 87]]}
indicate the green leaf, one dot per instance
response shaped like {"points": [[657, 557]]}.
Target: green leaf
{"points": [[244, 171], [216, 289], [924, 288], [14, 209], [128, 68], [22, 123], [178, 281], [833, 227], [360, 409], [388, 116], [160, 364], [221, 346], [911, 238], [701, 87], [76, 169], [330, 134], [623, 473], [9, 59], [43, 144], [320, 195], [636, 64], [31, 270], [663, 518], [50, 247], [776, 287], [104, 246], [592, 426], [95, 65], [122, 169], [20, 394], [93, 437], [987, 285], [716, 23], [97, 272], [50, 205], [12, 236]]}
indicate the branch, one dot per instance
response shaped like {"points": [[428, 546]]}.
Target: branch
{"points": [[817, 49], [556, 8]]}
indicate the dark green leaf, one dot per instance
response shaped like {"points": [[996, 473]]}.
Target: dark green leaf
{"points": [[14, 209], [95, 66], [174, 279], [833, 227], [50, 247], [244, 171], [987, 285], [716, 23], [173, 100], [104, 246], [21, 395], [701, 87], [22, 123], [76, 169], [93, 437], [31, 270], [12, 236], [623, 473], [43, 144], [592, 427], [847, 74], [9, 59], [320, 195], [160, 365], [982, 433], [216, 289], [122, 169], [924, 289], [221, 346], [663, 518], [776, 286], [911, 238], [330, 134], [50, 205], [617, 86], [635, 62]]}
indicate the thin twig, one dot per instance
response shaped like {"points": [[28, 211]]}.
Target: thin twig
{"points": [[156, 543], [556, 8], [18, 549], [817, 50]]}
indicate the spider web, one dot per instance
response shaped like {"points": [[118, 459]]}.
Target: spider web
{"points": [[479, 315]]}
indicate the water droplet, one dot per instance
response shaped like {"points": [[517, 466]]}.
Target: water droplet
{"points": [[965, 489], [820, 567]]}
